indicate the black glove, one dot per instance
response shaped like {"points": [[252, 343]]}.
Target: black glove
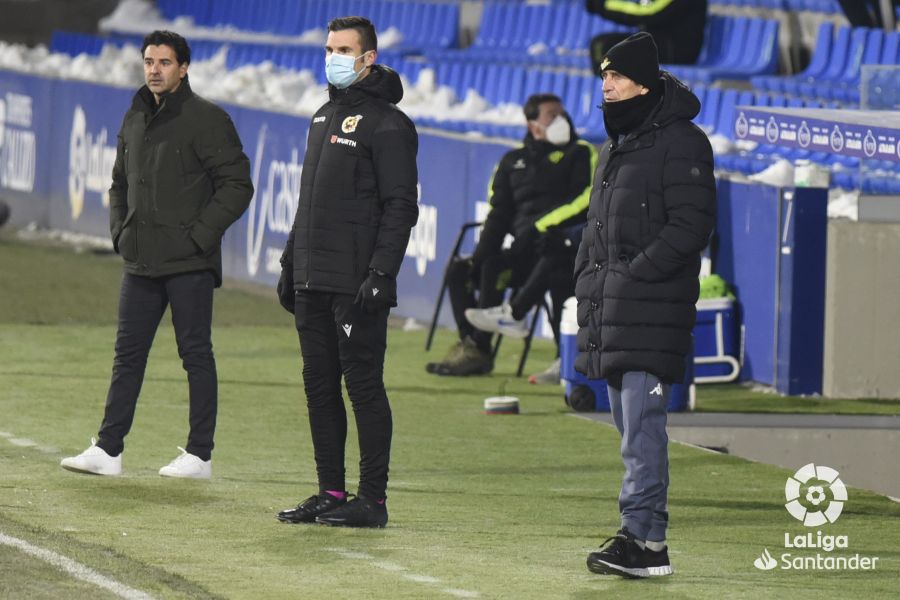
{"points": [[378, 291], [524, 241], [552, 242], [285, 288]]}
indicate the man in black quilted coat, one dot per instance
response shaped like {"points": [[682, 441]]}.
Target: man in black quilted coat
{"points": [[358, 203], [651, 213]]}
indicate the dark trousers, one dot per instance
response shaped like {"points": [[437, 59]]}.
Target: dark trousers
{"points": [[337, 338], [498, 273], [142, 302], [638, 405], [552, 273]]}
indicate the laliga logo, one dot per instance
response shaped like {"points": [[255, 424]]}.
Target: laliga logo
{"points": [[814, 508], [273, 205], [90, 163], [423, 238]]}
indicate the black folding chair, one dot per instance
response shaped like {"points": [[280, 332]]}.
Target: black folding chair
{"points": [[440, 299]]}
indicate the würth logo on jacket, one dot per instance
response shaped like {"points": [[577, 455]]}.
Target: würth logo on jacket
{"points": [[339, 140]]}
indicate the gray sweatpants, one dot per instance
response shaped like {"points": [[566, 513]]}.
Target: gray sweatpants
{"points": [[639, 411]]}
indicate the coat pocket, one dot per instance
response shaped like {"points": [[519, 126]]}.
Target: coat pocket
{"points": [[175, 243]]}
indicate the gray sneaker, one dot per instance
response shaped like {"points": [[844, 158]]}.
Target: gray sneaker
{"points": [[548, 377], [471, 360]]}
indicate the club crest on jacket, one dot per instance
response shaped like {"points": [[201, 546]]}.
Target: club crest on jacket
{"points": [[350, 123]]}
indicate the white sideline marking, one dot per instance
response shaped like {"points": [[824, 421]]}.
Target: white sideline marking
{"points": [[28, 443], [23, 442], [77, 570], [403, 572]]}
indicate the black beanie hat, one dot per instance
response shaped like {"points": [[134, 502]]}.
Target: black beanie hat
{"points": [[635, 57]]}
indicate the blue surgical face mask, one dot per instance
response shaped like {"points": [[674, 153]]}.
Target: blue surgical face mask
{"points": [[339, 69]]}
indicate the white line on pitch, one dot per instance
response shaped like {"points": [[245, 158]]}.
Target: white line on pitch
{"points": [[403, 572], [76, 569], [28, 443], [23, 442]]}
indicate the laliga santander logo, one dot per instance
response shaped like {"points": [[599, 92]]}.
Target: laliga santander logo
{"points": [[815, 507], [815, 496]]}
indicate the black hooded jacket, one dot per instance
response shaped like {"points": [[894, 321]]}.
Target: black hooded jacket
{"points": [[537, 186], [651, 213], [358, 197]]}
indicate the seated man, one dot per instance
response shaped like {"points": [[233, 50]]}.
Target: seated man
{"points": [[537, 193], [557, 250]]}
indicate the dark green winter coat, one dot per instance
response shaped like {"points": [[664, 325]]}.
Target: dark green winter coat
{"points": [[180, 179]]}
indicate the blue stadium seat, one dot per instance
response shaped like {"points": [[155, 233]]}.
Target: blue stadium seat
{"points": [[819, 62], [840, 52], [722, 117]]}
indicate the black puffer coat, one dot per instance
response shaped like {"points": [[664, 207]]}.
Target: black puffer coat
{"points": [[181, 178], [651, 214], [358, 197]]}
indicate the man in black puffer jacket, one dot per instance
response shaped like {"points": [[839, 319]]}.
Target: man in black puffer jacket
{"points": [[651, 213], [180, 180], [358, 203]]}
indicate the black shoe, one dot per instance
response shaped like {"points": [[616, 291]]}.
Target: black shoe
{"points": [[359, 512], [309, 509], [624, 557]]}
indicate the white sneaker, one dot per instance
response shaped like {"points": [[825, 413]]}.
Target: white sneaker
{"points": [[94, 460], [188, 466], [550, 376], [497, 319]]}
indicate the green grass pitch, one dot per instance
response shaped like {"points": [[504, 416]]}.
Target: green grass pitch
{"points": [[480, 506]]}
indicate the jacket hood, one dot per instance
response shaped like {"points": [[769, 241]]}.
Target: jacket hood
{"points": [[678, 101], [382, 82]]}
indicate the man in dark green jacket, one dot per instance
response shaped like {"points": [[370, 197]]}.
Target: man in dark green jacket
{"points": [[180, 179]]}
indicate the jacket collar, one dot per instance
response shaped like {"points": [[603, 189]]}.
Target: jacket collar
{"points": [[144, 100], [382, 82]]}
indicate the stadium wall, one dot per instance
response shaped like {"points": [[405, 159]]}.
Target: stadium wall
{"points": [[58, 144]]}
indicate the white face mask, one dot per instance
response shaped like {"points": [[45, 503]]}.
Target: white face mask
{"points": [[558, 131]]}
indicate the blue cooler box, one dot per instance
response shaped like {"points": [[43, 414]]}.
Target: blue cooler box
{"points": [[716, 341], [682, 394]]}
